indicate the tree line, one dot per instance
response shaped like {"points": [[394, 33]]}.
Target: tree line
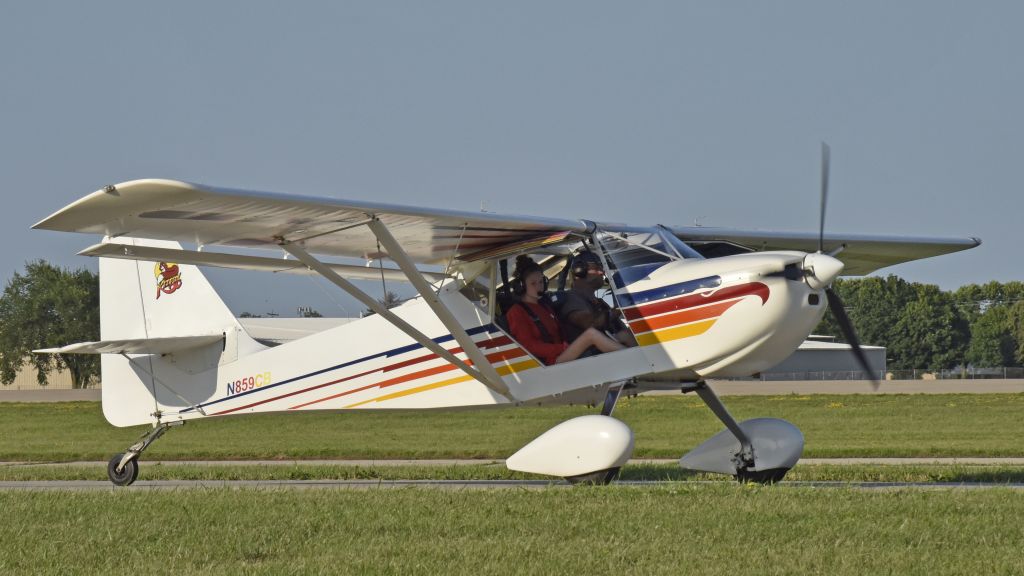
{"points": [[980, 325]]}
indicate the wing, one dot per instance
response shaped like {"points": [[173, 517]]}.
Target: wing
{"points": [[205, 215], [861, 253]]}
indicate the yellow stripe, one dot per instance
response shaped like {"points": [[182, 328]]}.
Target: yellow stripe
{"points": [[502, 371], [685, 331]]}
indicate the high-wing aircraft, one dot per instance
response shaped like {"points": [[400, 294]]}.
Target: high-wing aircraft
{"points": [[700, 303]]}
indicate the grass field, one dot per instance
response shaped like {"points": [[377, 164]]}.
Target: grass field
{"points": [[664, 426], [682, 529], [673, 528]]}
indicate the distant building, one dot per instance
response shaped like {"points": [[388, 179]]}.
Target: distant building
{"points": [[821, 357], [26, 380]]}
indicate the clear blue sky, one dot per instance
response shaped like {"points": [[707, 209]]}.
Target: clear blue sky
{"points": [[641, 112]]}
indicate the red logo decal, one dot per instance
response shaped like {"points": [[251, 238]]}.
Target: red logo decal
{"points": [[168, 278]]}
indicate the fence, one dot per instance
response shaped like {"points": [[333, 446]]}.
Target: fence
{"points": [[26, 379], [1005, 372]]}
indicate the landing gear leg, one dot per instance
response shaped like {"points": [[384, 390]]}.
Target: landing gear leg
{"points": [[779, 445], [123, 468], [744, 459], [611, 398]]}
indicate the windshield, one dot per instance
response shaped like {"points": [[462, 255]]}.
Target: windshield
{"points": [[634, 255]]}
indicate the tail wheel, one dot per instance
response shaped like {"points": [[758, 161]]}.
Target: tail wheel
{"points": [[127, 475]]}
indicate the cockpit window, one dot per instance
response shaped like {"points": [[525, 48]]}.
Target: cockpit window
{"points": [[681, 248], [634, 255]]}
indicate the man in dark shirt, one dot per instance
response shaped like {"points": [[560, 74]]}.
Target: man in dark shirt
{"points": [[581, 309]]}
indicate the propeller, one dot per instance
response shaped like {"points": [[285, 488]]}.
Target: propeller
{"points": [[826, 153], [821, 269]]}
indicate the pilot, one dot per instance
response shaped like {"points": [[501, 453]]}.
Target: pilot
{"points": [[532, 321], [580, 310]]}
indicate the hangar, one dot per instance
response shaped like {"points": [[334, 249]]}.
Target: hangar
{"points": [[822, 358]]}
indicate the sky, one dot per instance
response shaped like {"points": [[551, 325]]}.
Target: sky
{"points": [[640, 112]]}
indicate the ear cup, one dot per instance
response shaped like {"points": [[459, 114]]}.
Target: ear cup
{"points": [[518, 286]]}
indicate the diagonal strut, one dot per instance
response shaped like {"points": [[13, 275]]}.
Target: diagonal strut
{"points": [[496, 384]]}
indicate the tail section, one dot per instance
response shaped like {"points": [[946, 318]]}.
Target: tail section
{"points": [[162, 300]]}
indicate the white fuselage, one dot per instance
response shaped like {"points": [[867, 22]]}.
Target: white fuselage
{"points": [[730, 316]]}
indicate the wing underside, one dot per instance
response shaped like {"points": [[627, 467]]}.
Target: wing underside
{"points": [[203, 215], [211, 216], [861, 253]]}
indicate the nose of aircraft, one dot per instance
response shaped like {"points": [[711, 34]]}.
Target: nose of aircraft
{"points": [[821, 269]]}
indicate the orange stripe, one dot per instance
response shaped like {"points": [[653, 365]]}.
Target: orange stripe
{"points": [[502, 370], [684, 331], [493, 357], [681, 317]]}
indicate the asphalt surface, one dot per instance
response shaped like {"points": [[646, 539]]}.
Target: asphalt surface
{"points": [[144, 485], [500, 462], [150, 485]]}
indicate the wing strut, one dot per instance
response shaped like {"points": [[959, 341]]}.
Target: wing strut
{"points": [[494, 382], [396, 253]]}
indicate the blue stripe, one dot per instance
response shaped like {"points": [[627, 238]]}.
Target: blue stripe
{"points": [[488, 328], [638, 298]]}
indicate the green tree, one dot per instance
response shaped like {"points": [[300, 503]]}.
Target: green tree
{"points": [[931, 332], [993, 342], [390, 300], [874, 306], [48, 307], [1016, 323]]}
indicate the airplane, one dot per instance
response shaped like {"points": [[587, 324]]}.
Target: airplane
{"points": [[700, 303]]}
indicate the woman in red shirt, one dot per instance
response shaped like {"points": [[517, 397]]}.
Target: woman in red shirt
{"points": [[534, 324]]}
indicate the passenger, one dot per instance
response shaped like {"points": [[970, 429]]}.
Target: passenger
{"points": [[581, 310], [533, 324]]}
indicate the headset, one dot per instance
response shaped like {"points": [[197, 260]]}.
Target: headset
{"points": [[518, 286]]}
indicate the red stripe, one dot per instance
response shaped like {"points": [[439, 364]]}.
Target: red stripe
{"points": [[691, 300], [492, 343], [681, 317], [503, 355]]}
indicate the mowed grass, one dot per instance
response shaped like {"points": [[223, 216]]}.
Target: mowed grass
{"points": [[678, 529], [664, 427]]}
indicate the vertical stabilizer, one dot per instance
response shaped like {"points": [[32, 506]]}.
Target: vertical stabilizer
{"points": [[157, 299], [140, 299]]}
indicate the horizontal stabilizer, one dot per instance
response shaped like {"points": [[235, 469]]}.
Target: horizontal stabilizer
{"points": [[165, 345], [240, 261]]}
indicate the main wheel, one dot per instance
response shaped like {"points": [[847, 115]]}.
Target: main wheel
{"points": [[601, 477], [127, 475], [770, 476]]}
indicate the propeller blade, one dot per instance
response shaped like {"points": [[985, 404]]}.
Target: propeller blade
{"points": [[825, 160], [835, 304]]}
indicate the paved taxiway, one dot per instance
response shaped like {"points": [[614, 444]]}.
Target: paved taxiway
{"points": [[150, 485], [144, 485], [499, 462], [721, 387]]}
